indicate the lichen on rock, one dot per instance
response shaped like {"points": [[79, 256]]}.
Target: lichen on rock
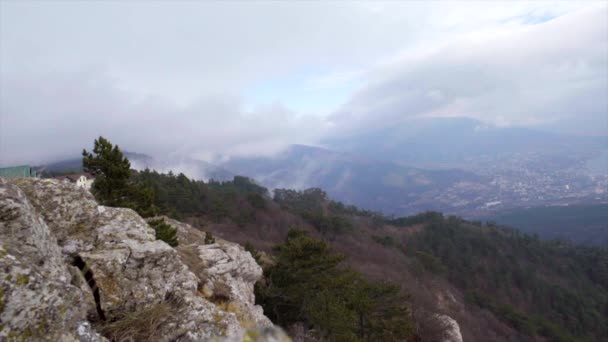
{"points": [[38, 302]]}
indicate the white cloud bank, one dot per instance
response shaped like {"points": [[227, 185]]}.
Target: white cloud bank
{"points": [[50, 120], [172, 78], [543, 74]]}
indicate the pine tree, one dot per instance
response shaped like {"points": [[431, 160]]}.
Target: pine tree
{"points": [[308, 284], [165, 232], [254, 252], [111, 170], [113, 186]]}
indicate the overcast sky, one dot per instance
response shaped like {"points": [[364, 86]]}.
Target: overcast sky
{"points": [[206, 79]]}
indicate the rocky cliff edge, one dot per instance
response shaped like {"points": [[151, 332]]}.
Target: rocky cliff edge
{"points": [[71, 270]]}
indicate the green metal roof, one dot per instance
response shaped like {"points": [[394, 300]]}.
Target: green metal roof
{"points": [[17, 172]]}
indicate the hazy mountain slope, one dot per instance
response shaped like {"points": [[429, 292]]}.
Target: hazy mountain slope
{"points": [[193, 168], [455, 141], [365, 182], [75, 164], [524, 167], [474, 170], [62, 166]]}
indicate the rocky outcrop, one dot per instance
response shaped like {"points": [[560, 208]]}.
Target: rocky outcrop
{"points": [[65, 262], [452, 329], [37, 299], [226, 271]]}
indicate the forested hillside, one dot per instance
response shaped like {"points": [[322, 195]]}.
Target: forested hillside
{"points": [[545, 288], [340, 273], [495, 281], [586, 224]]}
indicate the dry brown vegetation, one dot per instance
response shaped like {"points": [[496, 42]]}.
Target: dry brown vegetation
{"points": [[379, 263], [140, 325], [268, 228]]}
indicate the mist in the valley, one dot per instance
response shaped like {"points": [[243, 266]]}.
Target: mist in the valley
{"points": [[456, 114]]}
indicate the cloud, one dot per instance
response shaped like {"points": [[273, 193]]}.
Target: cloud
{"points": [[181, 49], [166, 78], [539, 74], [45, 118], [177, 78]]}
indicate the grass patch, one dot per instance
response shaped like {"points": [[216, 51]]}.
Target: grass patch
{"points": [[141, 325]]}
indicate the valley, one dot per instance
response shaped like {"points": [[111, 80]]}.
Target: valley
{"points": [[463, 170]]}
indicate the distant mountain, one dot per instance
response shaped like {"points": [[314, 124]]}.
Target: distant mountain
{"points": [[455, 142], [61, 166], [75, 164], [371, 184], [524, 167], [455, 165], [193, 168]]}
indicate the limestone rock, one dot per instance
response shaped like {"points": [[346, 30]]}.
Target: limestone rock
{"points": [[120, 273], [37, 300], [452, 333], [266, 334], [227, 271]]}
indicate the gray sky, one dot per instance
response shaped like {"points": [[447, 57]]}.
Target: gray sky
{"points": [[206, 79]]}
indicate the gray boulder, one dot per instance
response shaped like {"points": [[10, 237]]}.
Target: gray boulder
{"points": [[93, 266]]}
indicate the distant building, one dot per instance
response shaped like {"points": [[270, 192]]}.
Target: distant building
{"points": [[83, 180], [22, 171]]}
